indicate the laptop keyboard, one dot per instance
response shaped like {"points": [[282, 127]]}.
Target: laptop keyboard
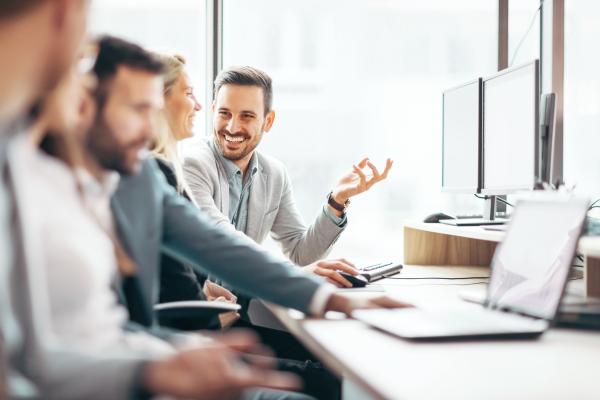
{"points": [[448, 322]]}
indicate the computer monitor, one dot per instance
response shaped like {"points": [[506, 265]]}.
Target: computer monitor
{"points": [[461, 148], [461, 133], [510, 130], [549, 155]]}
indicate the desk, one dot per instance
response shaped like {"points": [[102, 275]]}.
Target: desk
{"points": [[562, 364], [440, 244]]}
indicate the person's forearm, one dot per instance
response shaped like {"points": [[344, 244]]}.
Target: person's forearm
{"points": [[339, 303], [313, 243]]}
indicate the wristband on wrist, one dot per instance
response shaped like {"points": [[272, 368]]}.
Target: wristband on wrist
{"points": [[337, 206]]}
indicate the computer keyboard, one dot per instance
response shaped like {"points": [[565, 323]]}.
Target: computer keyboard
{"points": [[376, 266], [379, 271], [469, 216]]}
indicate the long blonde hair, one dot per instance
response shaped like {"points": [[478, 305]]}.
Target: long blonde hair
{"points": [[165, 142]]}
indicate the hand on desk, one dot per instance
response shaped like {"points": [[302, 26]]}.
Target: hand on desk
{"points": [[214, 292], [215, 371], [347, 304], [328, 269]]}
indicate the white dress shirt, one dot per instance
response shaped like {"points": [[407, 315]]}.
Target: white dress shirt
{"points": [[78, 254]]}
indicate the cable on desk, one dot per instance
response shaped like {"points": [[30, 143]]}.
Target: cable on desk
{"points": [[437, 277], [497, 198]]}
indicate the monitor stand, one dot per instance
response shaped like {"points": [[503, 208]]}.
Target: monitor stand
{"points": [[489, 216]]}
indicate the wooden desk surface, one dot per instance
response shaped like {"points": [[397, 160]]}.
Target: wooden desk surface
{"points": [[588, 245], [472, 232], [562, 364]]}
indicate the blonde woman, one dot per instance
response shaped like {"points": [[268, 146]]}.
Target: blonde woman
{"points": [[179, 282], [177, 120]]}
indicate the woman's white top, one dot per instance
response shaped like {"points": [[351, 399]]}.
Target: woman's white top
{"points": [[77, 253]]}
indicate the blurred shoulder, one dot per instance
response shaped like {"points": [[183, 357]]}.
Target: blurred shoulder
{"points": [[197, 151]]}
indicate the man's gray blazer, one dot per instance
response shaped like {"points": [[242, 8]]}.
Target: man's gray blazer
{"points": [[271, 205], [151, 216]]}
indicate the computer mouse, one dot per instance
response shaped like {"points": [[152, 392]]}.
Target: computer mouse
{"points": [[434, 218], [356, 281]]}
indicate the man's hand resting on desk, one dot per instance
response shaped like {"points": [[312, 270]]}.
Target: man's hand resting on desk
{"points": [[347, 304], [328, 269]]}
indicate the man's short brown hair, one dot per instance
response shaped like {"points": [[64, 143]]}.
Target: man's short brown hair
{"points": [[247, 76], [12, 8], [113, 53]]}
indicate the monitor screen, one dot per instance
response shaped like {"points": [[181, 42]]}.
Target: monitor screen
{"points": [[460, 138], [510, 126], [530, 267]]}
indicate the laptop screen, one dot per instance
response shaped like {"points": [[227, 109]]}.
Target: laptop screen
{"points": [[531, 266]]}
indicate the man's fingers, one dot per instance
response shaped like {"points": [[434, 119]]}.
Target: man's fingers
{"points": [[213, 290], [259, 361], [338, 279], [362, 163], [340, 264], [346, 268], [347, 262], [255, 377], [207, 289], [388, 166], [239, 340], [361, 175], [373, 169], [227, 319], [377, 177], [260, 350], [230, 297], [388, 302]]}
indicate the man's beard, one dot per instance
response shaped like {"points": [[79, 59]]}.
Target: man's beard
{"points": [[108, 152], [250, 147]]}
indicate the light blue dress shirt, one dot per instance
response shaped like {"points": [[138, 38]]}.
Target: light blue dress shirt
{"points": [[239, 190]]}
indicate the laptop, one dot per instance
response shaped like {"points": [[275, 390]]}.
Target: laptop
{"points": [[530, 269]]}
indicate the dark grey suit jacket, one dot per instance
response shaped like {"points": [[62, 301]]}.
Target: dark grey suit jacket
{"points": [[151, 217]]}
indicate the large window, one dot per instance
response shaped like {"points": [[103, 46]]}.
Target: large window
{"points": [[523, 31], [582, 97], [355, 78], [171, 27]]}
